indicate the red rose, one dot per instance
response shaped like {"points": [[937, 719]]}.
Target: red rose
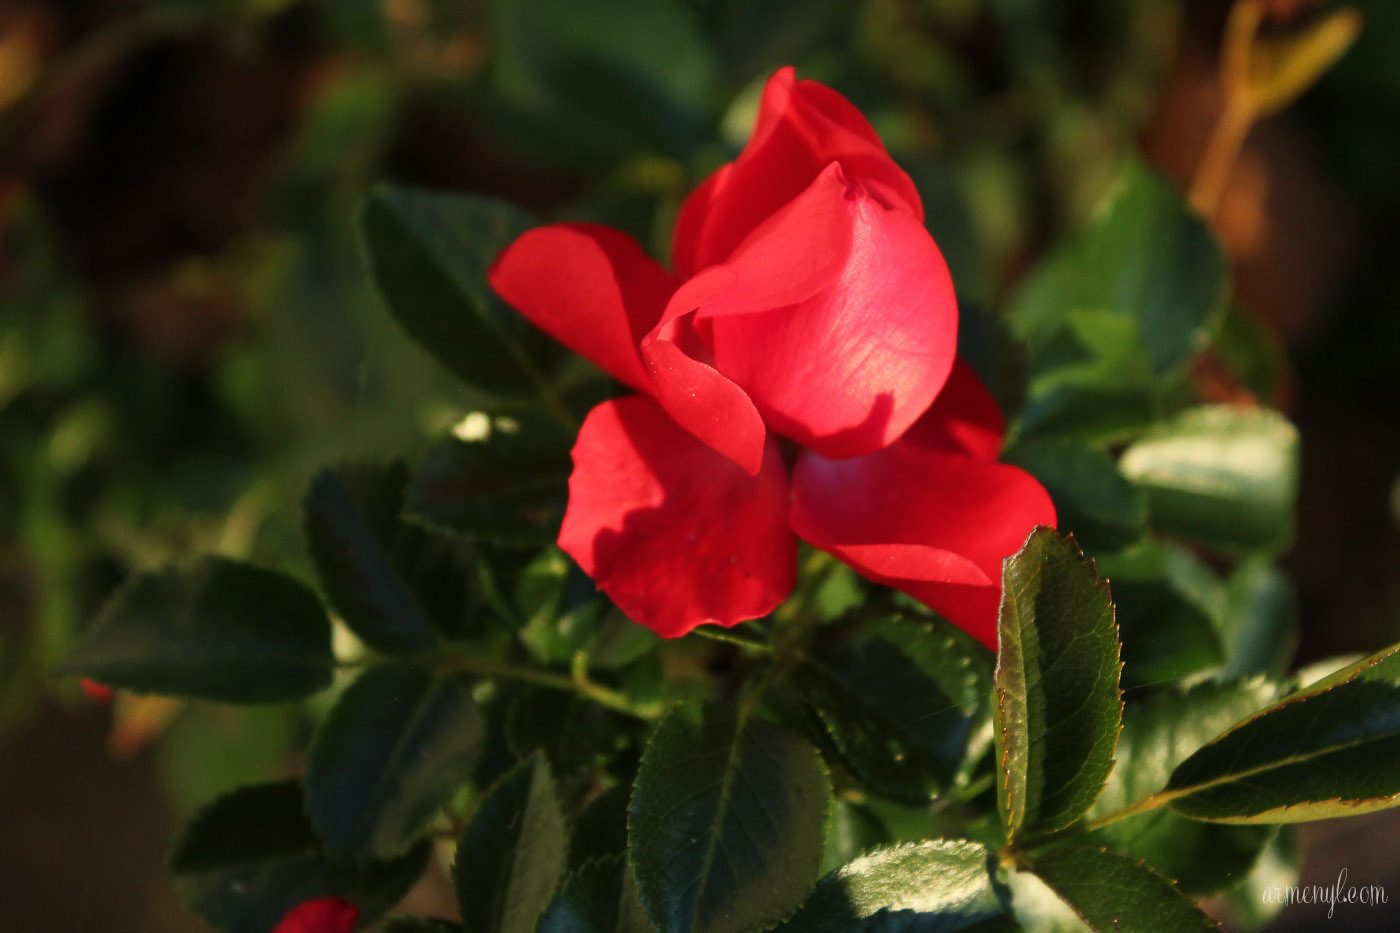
{"points": [[323, 915], [808, 303]]}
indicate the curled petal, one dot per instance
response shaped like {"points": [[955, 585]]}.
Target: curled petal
{"points": [[674, 532], [797, 253], [589, 287], [964, 418], [936, 525], [848, 369], [802, 127], [685, 240]]}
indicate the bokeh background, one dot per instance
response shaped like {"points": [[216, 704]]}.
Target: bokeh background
{"points": [[187, 332]]}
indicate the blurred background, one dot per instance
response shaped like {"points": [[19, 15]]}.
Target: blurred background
{"points": [[187, 331]]}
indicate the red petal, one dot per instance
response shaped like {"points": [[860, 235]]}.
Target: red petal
{"points": [[850, 368], [936, 525], [323, 915], [964, 418], [685, 241], [589, 287], [675, 533], [802, 128], [799, 251]]}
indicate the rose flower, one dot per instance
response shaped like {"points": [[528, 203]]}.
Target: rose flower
{"points": [[807, 303]]}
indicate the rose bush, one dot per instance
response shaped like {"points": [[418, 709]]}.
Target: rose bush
{"points": [[807, 302]]}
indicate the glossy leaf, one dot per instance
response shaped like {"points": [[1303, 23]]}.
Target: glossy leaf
{"points": [[250, 856], [428, 253], [504, 486], [511, 857], [1145, 254], [931, 887], [352, 529], [1058, 703], [1222, 476], [1117, 893], [1157, 736], [901, 698], [394, 749], [1330, 749], [210, 628], [1090, 377], [727, 821], [1092, 499]]}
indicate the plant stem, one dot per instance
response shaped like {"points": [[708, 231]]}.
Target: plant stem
{"points": [[575, 682], [732, 638]]}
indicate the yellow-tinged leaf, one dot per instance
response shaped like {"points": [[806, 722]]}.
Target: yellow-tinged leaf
{"points": [[137, 721]]}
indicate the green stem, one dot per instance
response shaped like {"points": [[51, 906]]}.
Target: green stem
{"points": [[575, 682], [732, 638]]}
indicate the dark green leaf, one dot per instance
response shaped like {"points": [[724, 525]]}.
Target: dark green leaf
{"points": [[511, 857], [1058, 703], [1146, 255], [1116, 893], [505, 487], [572, 732], [1092, 378], [352, 529], [406, 924], [1223, 476], [1167, 604], [938, 886], [210, 628], [1253, 353], [589, 900], [251, 856], [428, 253], [1157, 736], [901, 699], [727, 821], [1092, 499], [601, 827], [1260, 624], [854, 830], [394, 749], [1330, 749]]}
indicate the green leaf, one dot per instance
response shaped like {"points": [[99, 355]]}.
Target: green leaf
{"points": [[1092, 378], [352, 530], [902, 699], [727, 821], [394, 749], [1330, 749], [251, 856], [428, 253], [854, 829], [599, 897], [1260, 626], [1058, 704], [1157, 736], [559, 607], [407, 924], [1222, 476], [1256, 900], [1168, 605], [1116, 893], [511, 857], [209, 628], [928, 887], [1092, 499], [1146, 255], [1254, 354], [505, 486]]}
